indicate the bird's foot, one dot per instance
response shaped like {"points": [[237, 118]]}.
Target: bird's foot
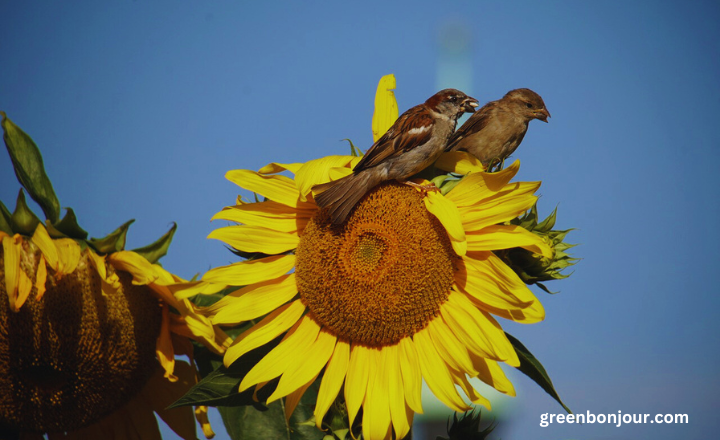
{"points": [[422, 188]]}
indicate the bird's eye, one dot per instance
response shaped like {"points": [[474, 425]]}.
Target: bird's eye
{"points": [[453, 99], [529, 105]]}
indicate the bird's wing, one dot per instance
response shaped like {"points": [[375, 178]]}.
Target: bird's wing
{"points": [[412, 129], [477, 122]]}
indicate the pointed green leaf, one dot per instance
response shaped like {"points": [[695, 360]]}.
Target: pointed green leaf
{"points": [[113, 242], [247, 423], [534, 370], [354, 151], [29, 168], [70, 227], [5, 219], [23, 220], [220, 387], [154, 251]]}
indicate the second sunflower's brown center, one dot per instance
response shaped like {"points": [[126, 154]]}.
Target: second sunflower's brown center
{"points": [[79, 353], [383, 274]]}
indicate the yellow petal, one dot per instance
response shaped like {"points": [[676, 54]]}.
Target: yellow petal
{"points": [[478, 186], [192, 288], [201, 327], [332, 380], [488, 333], [453, 352], [68, 255], [251, 271], [25, 286], [141, 269], [318, 171], [164, 348], [11, 255], [315, 357], [475, 397], [256, 239], [396, 392], [356, 382], [386, 108], [265, 331], [268, 214], [489, 371], [495, 287], [274, 167], [504, 206], [436, 374], [505, 237], [41, 278], [376, 409], [275, 187], [99, 262], [42, 240], [201, 415], [292, 400], [459, 162], [411, 374], [285, 356], [253, 301], [449, 216]]}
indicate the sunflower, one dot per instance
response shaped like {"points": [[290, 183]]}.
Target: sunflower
{"points": [[404, 291], [89, 331]]}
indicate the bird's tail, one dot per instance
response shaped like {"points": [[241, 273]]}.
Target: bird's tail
{"points": [[341, 195]]}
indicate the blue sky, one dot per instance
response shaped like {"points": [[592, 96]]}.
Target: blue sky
{"points": [[140, 108]]}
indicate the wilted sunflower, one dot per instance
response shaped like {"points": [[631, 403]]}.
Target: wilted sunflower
{"points": [[89, 331], [403, 291]]}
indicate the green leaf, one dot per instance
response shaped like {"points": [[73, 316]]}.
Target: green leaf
{"points": [[354, 151], [248, 423], [5, 219], [220, 387], [70, 227], [29, 168], [23, 220], [154, 251], [113, 242], [534, 370]]}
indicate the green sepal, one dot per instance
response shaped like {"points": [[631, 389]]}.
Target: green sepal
{"points": [[354, 151], [69, 226], [467, 427], [533, 369], [154, 251], [5, 219], [29, 168], [113, 242], [23, 220]]}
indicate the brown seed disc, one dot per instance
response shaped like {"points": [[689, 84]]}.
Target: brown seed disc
{"points": [[383, 274]]}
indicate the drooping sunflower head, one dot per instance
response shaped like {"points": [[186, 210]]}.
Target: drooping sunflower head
{"points": [[85, 324]]}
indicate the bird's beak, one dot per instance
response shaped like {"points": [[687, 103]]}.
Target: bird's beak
{"points": [[469, 105], [543, 115]]}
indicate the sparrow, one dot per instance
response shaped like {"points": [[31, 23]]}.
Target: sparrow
{"points": [[496, 130], [412, 144]]}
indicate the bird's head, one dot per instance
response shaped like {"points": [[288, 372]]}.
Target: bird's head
{"points": [[528, 103], [452, 103]]}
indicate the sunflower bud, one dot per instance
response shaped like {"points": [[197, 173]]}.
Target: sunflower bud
{"points": [[533, 268]]}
